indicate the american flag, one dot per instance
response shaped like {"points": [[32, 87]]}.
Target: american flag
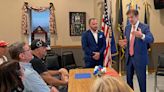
{"points": [[106, 28]]}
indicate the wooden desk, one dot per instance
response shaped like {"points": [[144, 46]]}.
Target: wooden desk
{"points": [[84, 85]]}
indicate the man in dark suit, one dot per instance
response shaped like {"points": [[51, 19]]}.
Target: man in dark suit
{"points": [[137, 38], [93, 44]]}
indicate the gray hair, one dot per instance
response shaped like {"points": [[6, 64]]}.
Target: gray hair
{"points": [[15, 49]]}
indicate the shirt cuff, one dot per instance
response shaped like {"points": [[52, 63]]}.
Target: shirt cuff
{"points": [[143, 36]]}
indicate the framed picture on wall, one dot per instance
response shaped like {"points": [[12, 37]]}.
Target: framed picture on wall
{"points": [[77, 23]]}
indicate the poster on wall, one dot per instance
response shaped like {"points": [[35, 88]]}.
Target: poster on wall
{"points": [[77, 23]]}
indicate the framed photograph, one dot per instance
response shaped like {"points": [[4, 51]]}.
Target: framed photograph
{"points": [[77, 21]]}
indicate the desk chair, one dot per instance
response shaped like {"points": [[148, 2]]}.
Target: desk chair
{"points": [[52, 62], [68, 60], [160, 69]]}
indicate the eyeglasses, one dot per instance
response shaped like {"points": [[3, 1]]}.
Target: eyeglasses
{"points": [[26, 50]]}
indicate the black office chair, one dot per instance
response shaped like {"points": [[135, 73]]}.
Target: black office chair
{"points": [[68, 60], [52, 62], [160, 69]]}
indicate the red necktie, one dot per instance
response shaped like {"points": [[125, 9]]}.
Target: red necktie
{"points": [[131, 48]]}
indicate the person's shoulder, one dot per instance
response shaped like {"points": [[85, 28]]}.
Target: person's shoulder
{"points": [[35, 60], [128, 25], [99, 31], [143, 25], [85, 33], [28, 71], [30, 74]]}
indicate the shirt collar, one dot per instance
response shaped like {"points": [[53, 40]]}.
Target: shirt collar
{"points": [[25, 64], [137, 23], [94, 31]]}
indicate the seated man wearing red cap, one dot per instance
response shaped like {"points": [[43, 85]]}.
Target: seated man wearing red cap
{"points": [[3, 49]]}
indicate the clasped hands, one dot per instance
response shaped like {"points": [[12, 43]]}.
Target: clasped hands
{"points": [[64, 74], [96, 55]]}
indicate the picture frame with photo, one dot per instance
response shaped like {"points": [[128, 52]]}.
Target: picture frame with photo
{"points": [[77, 21]]}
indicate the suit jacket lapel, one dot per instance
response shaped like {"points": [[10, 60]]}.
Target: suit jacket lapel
{"points": [[129, 31], [98, 37], [91, 35]]}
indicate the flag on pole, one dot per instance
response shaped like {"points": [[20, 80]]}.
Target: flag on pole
{"points": [[120, 19], [147, 13], [110, 42], [113, 44], [120, 29], [146, 17]]}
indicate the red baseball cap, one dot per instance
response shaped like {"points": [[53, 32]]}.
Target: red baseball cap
{"points": [[3, 43]]}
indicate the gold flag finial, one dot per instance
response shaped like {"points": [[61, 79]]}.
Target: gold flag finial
{"points": [[133, 4]]}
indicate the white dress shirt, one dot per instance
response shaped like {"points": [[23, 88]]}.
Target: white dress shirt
{"points": [[95, 35]]}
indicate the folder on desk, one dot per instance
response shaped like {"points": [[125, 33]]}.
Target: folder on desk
{"points": [[82, 75]]}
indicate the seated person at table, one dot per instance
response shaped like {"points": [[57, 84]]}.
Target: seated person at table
{"points": [[32, 81], [109, 84], [38, 48]]}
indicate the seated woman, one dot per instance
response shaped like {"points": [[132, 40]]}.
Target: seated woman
{"points": [[11, 75], [109, 84]]}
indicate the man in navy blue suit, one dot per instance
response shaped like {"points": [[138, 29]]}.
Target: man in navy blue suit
{"points": [[137, 38], [93, 44]]}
